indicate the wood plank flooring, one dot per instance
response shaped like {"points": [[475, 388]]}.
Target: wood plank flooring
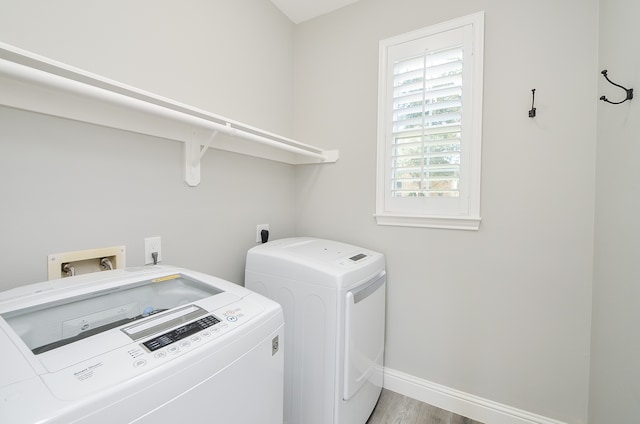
{"points": [[394, 408]]}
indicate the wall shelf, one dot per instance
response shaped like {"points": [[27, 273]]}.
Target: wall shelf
{"points": [[38, 84]]}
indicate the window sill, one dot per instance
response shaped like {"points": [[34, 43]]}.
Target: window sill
{"points": [[445, 222]]}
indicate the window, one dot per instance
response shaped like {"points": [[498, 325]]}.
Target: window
{"points": [[430, 126]]}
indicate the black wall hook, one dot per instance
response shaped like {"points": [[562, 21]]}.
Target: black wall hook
{"points": [[532, 112], [628, 90]]}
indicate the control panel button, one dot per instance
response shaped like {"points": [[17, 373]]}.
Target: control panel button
{"points": [[139, 363]]}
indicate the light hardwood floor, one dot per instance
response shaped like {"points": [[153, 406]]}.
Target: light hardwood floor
{"points": [[394, 408]]}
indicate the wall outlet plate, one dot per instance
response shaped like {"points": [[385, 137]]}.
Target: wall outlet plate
{"points": [[151, 245], [259, 229]]}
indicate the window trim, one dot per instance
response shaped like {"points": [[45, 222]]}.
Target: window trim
{"points": [[470, 219]]}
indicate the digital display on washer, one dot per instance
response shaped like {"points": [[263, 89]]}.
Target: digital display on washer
{"points": [[357, 257], [180, 333]]}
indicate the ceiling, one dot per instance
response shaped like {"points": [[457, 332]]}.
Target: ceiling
{"points": [[303, 10]]}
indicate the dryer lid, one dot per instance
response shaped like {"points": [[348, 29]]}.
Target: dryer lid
{"points": [[320, 262]]}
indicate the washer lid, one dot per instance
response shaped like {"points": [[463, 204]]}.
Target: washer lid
{"points": [[47, 326], [17, 368]]}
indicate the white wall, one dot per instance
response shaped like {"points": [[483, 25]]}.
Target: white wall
{"points": [[67, 186], [502, 313], [615, 367]]}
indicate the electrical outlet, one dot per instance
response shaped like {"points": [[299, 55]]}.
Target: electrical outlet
{"points": [[151, 245], [259, 229]]}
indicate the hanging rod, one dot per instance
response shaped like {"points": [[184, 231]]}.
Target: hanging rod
{"points": [[629, 91], [32, 82]]}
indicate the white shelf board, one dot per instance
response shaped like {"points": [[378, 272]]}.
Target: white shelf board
{"points": [[39, 84]]}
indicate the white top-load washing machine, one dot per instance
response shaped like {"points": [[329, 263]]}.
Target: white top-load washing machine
{"points": [[149, 345], [333, 296]]}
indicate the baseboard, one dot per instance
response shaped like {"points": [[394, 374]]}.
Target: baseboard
{"points": [[461, 403]]}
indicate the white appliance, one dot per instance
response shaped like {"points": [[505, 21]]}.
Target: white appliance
{"points": [[333, 296], [149, 345]]}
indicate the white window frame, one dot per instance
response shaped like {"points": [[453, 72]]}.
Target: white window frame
{"points": [[462, 212]]}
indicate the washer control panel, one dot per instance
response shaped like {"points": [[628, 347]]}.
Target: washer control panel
{"points": [[147, 355], [180, 333]]}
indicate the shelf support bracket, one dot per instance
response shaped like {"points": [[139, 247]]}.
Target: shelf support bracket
{"points": [[193, 155]]}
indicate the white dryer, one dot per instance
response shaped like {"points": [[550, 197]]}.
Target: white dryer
{"points": [[333, 296], [149, 345]]}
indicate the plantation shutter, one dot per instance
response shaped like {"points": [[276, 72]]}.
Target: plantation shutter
{"points": [[426, 129], [430, 126]]}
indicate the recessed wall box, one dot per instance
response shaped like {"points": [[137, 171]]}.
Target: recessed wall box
{"points": [[85, 261]]}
